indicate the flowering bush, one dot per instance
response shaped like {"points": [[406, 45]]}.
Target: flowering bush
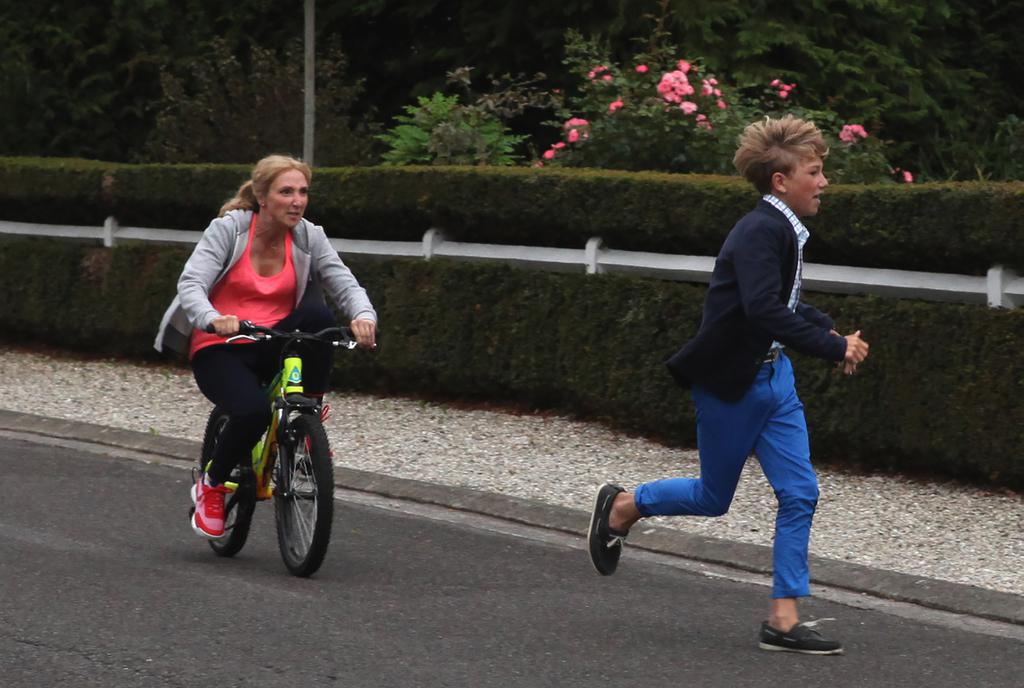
{"points": [[669, 113], [659, 113]]}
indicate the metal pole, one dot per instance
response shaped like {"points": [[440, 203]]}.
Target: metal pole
{"points": [[309, 91]]}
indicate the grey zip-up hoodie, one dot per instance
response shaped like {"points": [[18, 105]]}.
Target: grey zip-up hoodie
{"points": [[318, 268]]}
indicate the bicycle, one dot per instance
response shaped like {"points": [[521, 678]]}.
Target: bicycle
{"points": [[290, 464]]}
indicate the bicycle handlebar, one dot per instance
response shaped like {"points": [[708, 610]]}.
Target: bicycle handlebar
{"points": [[335, 336]]}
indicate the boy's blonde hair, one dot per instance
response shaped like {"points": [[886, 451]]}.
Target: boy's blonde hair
{"points": [[263, 175], [776, 145]]}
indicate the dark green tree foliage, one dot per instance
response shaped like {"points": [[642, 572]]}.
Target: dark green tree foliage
{"points": [[405, 49], [936, 77], [222, 108], [940, 78], [75, 77], [83, 78]]}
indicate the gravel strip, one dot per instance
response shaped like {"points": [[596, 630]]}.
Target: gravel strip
{"points": [[944, 531]]}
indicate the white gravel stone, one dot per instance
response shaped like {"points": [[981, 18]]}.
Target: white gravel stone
{"points": [[939, 530]]}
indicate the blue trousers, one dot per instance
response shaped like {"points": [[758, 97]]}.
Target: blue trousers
{"points": [[768, 421]]}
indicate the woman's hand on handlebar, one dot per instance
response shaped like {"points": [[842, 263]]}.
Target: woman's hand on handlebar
{"points": [[365, 332], [224, 325]]}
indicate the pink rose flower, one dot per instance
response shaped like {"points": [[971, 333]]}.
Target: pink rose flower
{"points": [[615, 105], [851, 132], [641, 69], [688, 107], [908, 177], [549, 154], [784, 89], [667, 88], [607, 77], [721, 104], [576, 128], [558, 146], [684, 66], [674, 87]]}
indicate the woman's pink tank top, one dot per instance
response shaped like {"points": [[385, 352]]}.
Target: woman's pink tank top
{"points": [[244, 292]]}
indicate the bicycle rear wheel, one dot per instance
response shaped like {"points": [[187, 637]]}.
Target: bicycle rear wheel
{"points": [[240, 504], [304, 496]]}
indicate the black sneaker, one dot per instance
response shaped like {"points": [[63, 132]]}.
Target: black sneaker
{"points": [[605, 543], [801, 638]]}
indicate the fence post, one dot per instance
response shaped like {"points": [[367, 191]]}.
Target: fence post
{"points": [[995, 282], [432, 238], [109, 230], [592, 255]]}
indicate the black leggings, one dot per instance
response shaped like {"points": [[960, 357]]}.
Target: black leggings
{"points": [[234, 377]]}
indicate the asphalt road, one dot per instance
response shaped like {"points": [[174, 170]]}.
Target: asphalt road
{"points": [[102, 583]]}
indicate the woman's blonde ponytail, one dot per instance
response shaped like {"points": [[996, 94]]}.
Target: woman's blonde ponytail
{"points": [[245, 199]]}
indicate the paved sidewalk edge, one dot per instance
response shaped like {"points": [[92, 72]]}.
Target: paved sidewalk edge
{"points": [[926, 592]]}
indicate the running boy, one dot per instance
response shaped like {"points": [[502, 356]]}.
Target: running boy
{"points": [[742, 380]]}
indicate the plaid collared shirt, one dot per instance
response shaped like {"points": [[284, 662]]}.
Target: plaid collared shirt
{"points": [[802, 235]]}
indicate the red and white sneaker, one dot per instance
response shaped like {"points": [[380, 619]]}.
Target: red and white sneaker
{"points": [[208, 518]]}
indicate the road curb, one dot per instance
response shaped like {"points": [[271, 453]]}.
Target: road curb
{"points": [[926, 592]]}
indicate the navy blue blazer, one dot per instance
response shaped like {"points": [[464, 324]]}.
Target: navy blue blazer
{"points": [[746, 308]]}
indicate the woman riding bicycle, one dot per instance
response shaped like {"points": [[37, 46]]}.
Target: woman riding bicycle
{"points": [[259, 260]]}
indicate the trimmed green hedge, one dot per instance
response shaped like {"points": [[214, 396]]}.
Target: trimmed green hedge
{"points": [[55, 190], [173, 196], [958, 227], [940, 393]]}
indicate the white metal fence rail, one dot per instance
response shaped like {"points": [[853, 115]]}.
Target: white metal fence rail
{"points": [[999, 288]]}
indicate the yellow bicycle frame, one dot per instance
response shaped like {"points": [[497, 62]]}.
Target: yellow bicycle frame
{"points": [[288, 381]]}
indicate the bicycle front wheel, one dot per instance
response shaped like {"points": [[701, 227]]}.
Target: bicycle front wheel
{"points": [[304, 496]]}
